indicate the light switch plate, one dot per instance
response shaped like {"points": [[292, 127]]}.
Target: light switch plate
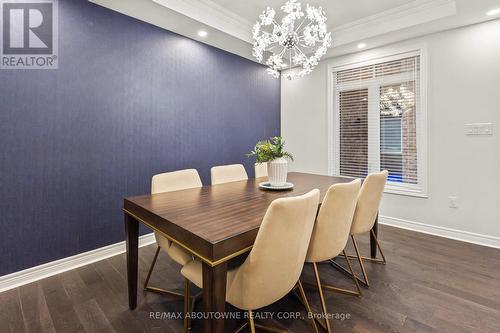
{"points": [[479, 129]]}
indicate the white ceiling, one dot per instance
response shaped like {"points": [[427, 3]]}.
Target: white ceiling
{"points": [[339, 12], [374, 22]]}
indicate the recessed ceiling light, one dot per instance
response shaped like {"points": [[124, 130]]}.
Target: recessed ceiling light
{"points": [[202, 33], [493, 12], [361, 45]]}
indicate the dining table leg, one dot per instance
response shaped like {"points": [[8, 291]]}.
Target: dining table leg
{"points": [[373, 241], [132, 240], [214, 297]]}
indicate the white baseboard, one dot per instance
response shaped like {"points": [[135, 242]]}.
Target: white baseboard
{"points": [[36, 273], [464, 236]]}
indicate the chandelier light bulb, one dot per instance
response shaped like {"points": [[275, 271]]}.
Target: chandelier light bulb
{"points": [[297, 41]]}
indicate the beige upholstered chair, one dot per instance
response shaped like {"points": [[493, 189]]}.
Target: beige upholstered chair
{"points": [[260, 170], [168, 182], [228, 173], [273, 266], [331, 233], [365, 216]]}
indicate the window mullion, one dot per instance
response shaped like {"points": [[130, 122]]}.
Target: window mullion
{"points": [[336, 125], [373, 128]]}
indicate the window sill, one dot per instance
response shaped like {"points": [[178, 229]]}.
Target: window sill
{"points": [[408, 190]]}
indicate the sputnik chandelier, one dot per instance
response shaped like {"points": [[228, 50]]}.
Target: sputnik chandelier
{"points": [[299, 41]]}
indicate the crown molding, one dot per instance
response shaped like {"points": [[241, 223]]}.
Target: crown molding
{"points": [[213, 15], [398, 18], [232, 32], [401, 17], [395, 19]]}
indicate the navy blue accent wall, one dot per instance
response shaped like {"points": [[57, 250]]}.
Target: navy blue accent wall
{"points": [[129, 100]]}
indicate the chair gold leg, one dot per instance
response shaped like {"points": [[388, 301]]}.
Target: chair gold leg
{"points": [[187, 306], [270, 329], [360, 259], [152, 266], [250, 320], [379, 247], [352, 272], [164, 291], [189, 301], [333, 289], [306, 304], [370, 259], [366, 282], [253, 326], [155, 289], [322, 298], [345, 271], [349, 273], [242, 327]]}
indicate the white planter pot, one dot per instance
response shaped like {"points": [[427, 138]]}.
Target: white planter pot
{"points": [[277, 171]]}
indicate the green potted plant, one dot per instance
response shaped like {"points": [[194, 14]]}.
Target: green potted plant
{"points": [[272, 152]]}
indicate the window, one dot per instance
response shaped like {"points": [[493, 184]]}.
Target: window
{"points": [[378, 117]]}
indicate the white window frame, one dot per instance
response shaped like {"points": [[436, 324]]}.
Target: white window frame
{"points": [[370, 58]]}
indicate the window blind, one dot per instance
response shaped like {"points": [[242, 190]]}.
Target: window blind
{"points": [[376, 119]]}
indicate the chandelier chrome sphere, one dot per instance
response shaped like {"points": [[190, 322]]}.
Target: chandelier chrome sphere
{"points": [[299, 41]]}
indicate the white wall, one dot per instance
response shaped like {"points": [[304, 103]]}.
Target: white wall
{"points": [[464, 87]]}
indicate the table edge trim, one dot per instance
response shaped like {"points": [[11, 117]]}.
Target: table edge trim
{"points": [[212, 263]]}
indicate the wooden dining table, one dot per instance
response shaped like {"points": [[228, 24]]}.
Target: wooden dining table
{"points": [[215, 224]]}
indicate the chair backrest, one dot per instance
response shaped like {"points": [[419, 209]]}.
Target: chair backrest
{"points": [[333, 223], [173, 181], [260, 170], [368, 204], [228, 173], [275, 262]]}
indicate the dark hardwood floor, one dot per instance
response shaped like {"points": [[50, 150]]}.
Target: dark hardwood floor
{"points": [[429, 284]]}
